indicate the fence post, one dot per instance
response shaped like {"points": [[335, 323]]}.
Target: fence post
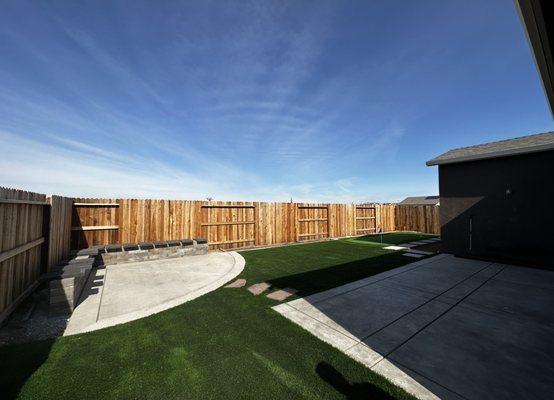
{"points": [[329, 221], [45, 247], [256, 223]]}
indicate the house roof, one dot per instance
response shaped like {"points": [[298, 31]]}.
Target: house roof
{"points": [[420, 200], [503, 148], [540, 34]]}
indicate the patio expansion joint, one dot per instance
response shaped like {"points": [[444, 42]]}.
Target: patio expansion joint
{"points": [[351, 336], [413, 265], [435, 297], [447, 310]]}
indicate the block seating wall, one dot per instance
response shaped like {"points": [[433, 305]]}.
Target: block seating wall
{"points": [[127, 253], [66, 283]]}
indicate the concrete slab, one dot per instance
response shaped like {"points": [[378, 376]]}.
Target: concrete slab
{"points": [[445, 327], [436, 279], [526, 276], [384, 304], [281, 295], [258, 288], [326, 333], [398, 332], [122, 293], [412, 382], [526, 301], [484, 355]]}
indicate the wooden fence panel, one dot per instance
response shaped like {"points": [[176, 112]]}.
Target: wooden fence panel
{"points": [[386, 218], [229, 225], [417, 218], [313, 221], [366, 220], [21, 245], [95, 221]]}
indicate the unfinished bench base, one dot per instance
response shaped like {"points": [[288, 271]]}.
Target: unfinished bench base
{"points": [[66, 283], [127, 253]]}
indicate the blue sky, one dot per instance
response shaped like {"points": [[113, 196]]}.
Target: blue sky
{"points": [[319, 101]]}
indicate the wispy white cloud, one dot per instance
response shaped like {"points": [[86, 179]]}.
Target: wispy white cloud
{"points": [[174, 105], [76, 169]]}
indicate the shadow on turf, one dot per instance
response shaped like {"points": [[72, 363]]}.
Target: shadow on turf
{"points": [[19, 362], [354, 390], [318, 280]]}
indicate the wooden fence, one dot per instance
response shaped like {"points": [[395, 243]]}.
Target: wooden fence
{"points": [[37, 232], [22, 245], [238, 224]]}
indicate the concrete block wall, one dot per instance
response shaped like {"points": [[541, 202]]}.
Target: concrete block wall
{"points": [[127, 253]]}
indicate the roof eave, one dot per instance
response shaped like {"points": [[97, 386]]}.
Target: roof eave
{"points": [[494, 154], [534, 23]]}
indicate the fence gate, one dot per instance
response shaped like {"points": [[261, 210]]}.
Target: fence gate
{"points": [[229, 226], [312, 222], [366, 221]]}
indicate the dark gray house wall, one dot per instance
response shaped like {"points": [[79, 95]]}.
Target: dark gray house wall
{"points": [[507, 202]]}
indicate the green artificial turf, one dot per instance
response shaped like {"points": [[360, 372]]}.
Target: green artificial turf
{"points": [[393, 238], [227, 344]]}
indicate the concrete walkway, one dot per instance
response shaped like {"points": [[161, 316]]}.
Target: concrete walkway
{"points": [[444, 327], [122, 293]]}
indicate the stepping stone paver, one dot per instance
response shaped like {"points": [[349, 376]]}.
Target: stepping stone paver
{"points": [[394, 248], [281, 295], [237, 284], [413, 255], [258, 288], [426, 253]]}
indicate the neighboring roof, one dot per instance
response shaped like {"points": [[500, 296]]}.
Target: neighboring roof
{"points": [[503, 148], [540, 33], [420, 201]]}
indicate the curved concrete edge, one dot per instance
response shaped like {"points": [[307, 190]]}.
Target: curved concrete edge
{"points": [[233, 272]]}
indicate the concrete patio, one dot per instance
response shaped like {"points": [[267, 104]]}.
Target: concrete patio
{"points": [[444, 327], [116, 294]]}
